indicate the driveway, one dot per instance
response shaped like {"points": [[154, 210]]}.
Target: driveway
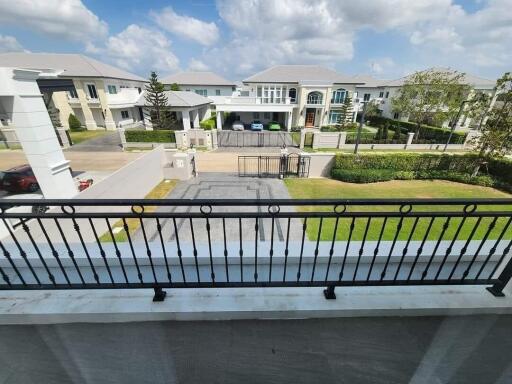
{"points": [[110, 142], [224, 186]]}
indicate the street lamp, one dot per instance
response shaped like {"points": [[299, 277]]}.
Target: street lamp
{"points": [[360, 128]]}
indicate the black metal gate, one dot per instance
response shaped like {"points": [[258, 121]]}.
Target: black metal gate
{"points": [[293, 165], [257, 139]]}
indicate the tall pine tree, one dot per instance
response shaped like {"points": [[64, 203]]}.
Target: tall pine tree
{"points": [[156, 103], [347, 109]]}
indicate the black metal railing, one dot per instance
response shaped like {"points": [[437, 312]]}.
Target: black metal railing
{"points": [[292, 165], [158, 244]]}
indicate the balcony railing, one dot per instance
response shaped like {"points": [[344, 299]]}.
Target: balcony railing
{"points": [[256, 100], [88, 244]]}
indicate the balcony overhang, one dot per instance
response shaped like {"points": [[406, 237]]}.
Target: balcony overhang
{"points": [[255, 107]]}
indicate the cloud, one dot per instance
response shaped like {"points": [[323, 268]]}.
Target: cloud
{"points": [[139, 49], [187, 27], [380, 65], [197, 65], [66, 19], [10, 44]]}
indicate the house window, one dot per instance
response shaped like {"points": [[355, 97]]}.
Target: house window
{"points": [[335, 117], [72, 93], [292, 94], [396, 115], [124, 86], [139, 89], [112, 89], [315, 98], [233, 89], [381, 94], [367, 96], [202, 92], [125, 115], [244, 93], [387, 95], [217, 92], [187, 90], [256, 115], [338, 96], [266, 115], [91, 88]]}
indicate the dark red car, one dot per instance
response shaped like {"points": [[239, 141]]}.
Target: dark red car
{"points": [[19, 179]]}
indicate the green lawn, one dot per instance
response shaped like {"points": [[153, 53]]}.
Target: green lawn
{"points": [[80, 136], [326, 188]]}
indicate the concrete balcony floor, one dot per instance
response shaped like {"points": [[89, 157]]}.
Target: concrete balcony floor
{"points": [[465, 349]]}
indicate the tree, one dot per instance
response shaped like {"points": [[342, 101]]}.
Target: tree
{"points": [[156, 103], [74, 123], [372, 109], [385, 131], [496, 138], [431, 96], [54, 116], [175, 87], [347, 109]]}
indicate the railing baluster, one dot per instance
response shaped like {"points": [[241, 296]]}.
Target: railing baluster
{"points": [[71, 254], [477, 252], [492, 251], [241, 250], [225, 249], [256, 227], [376, 250], [54, 251], [404, 250], [361, 249], [38, 251], [102, 251], [8, 257], [286, 249], [212, 273], [420, 249], [118, 252], [271, 253], [178, 247], [5, 277], [129, 237], [316, 248], [80, 237], [148, 250], [194, 248], [23, 254], [450, 247], [445, 227], [331, 250], [304, 227], [465, 248], [351, 231]]}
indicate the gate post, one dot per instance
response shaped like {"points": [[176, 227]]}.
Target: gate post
{"points": [[302, 138]]}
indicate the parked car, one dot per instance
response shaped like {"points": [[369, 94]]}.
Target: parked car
{"points": [[257, 125], [238, 126], [19, 179], [274, 126]]}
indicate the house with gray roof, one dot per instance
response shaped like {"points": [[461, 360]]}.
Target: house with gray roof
{"points": [[103, 95], [293, 96], [207, 84]]}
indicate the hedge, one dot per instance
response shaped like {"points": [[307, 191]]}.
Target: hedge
{"points": [[371, 167], [428, 133], [208, 124], [143, 136]]}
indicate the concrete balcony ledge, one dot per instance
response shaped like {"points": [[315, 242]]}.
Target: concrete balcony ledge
{"points": [[48, 307]]}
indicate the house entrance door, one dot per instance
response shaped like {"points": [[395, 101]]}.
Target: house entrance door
{"points": [[310, 118]]}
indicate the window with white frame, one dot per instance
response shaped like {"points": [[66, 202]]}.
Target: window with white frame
{"points": [[72, 93], [292, 94], [335, 117], [314, 97], [387, 95], [112, 89], [367, 96], [381, 94], [217, 92], [91, 89], [202, 92], [272, 94], [338, 96], [125, 115]]}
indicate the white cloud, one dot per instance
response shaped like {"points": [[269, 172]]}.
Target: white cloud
{"points": [[197, 65], [185, 26], [67, 19], [10, 44], [139, 49], [380, 65]]}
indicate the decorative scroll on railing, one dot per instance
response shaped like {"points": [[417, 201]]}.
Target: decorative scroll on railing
{"points": [[81, 244]]}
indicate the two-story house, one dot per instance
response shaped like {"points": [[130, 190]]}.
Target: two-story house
{"points": [[103, 96], [292, 95]]}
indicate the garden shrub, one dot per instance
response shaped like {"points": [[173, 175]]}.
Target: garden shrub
{"points": [[143, 136], [405, 175], [208, 124], [363, 175], [74, 123]]}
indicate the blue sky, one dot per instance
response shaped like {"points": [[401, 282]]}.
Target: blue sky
{"points": [[385, 38]]}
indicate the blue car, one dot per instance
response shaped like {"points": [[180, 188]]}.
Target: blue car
{"points": [[257, 125]]}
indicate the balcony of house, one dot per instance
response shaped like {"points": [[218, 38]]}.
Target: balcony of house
{"points": [[248, 100], [123, 98]]}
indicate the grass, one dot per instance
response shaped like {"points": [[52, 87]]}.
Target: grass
{"points": [[80, 136], [159, 192], [326, 188]]}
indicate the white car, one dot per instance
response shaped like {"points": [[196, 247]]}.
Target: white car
{"points": [[238, 126]]}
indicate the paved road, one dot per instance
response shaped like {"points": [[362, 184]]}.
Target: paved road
{"points": [[110, 142], [423, 350]]}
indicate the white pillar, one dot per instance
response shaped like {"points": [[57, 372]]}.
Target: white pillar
{"points": [[219, 120], [37, 135], [195, 115], [185, 117], [288, 121]]}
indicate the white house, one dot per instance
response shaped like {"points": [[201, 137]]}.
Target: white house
{"points": [[102, 93], [292, 95]]}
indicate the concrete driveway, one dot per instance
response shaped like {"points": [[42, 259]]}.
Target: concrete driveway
{"points": [[110, 142]]}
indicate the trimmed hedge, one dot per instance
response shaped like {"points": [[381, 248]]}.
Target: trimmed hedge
{"points": [[428, 133], [208, 124], [372, 167], [143, 136]]}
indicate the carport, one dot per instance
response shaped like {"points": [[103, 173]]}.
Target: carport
{"points": [[265, 112]]}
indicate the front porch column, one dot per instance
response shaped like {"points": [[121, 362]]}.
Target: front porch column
{"points": [[219, 120], [185, 118], [195, 118], [288, 121]]}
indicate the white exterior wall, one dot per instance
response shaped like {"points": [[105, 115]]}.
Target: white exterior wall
{"points": [[225, 90]]}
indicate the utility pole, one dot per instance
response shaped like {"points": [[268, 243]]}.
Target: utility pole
{"points": [[360, 128]]}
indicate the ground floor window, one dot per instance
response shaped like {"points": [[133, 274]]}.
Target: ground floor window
{"points": [[217, 92], [396, 115], [125, 115], [335, 117], [266, 115], [256, 115]]}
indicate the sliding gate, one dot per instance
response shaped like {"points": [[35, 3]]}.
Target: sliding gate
{"points": [[274, 166]]}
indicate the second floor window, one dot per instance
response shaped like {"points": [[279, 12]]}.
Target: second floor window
{"points": [[387, 95], [202, 92], [217, 92], [367, 96], [314, 98], [72, 93], [292, 94], [338, 96], [91, 88], [112, 89], [381, 94]]}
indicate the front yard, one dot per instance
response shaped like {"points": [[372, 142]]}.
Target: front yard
{"points": [[399, 189], [80, 136]]}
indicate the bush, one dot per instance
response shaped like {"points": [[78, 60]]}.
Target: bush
{"points": [[362, 175], [208, 124], [74, 123], [405, 175], [143, 136]]}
